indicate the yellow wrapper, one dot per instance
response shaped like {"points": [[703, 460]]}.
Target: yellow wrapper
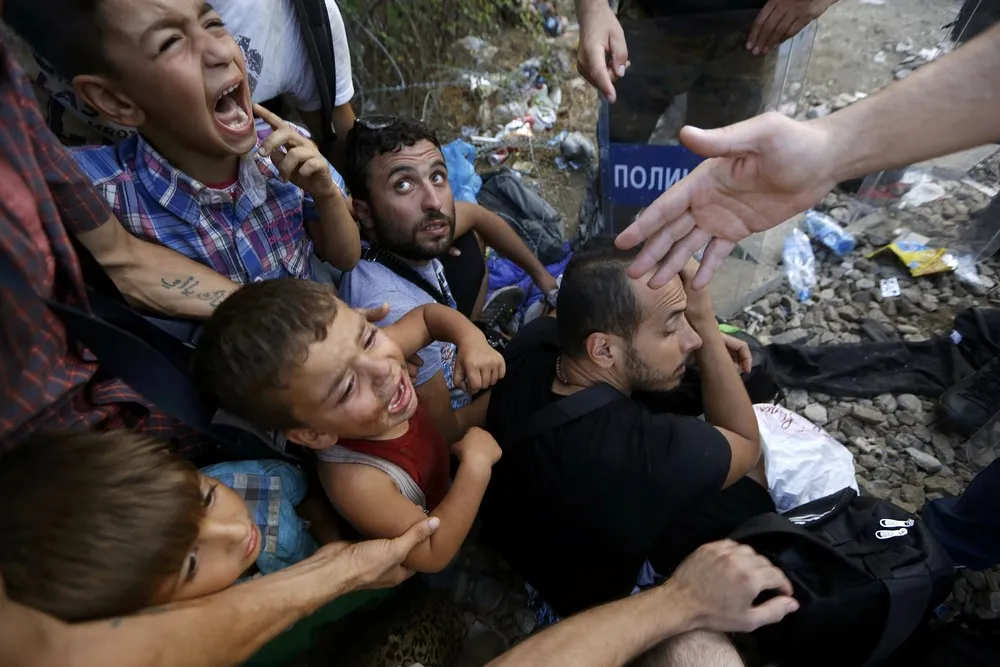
{"points": [[919, 259]]}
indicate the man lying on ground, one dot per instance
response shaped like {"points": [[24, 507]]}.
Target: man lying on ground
{"points": [[579, 508], [288, 355], [199, 177], [401, 195]]}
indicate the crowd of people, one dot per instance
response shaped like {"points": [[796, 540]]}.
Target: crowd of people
{"points": [[330, 299]]}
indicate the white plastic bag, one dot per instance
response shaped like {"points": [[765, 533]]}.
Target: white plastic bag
{"points": [[802, 461]]}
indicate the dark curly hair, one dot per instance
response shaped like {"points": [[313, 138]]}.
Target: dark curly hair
{"points": [[364, 145]]}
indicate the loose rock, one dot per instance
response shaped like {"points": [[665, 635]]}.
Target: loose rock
{"points": [[868, 462], [796, 399], [938, 484], [864, 445], [879, 488], [943, 449], [885, 403], [910, 403], [924, 461], [790, 337], [912, 494], [867, 415], [906, 505], [816, 413]]}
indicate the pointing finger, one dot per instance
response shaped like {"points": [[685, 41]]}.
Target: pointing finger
{"points": [[271, 119]]}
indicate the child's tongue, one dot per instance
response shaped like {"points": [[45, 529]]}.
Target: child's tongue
{"points": [[229, 112]]}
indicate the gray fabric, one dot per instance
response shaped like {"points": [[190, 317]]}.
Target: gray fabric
{"points": [[534, 220]]}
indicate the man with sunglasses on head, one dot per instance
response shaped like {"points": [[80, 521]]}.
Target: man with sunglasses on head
{"points": [[421, 246]]}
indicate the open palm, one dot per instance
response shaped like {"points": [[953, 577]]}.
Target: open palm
{"points": [[761, 172]]}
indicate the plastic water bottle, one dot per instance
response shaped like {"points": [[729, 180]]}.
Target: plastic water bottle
{"points": [[825, 229], [799, 263]]}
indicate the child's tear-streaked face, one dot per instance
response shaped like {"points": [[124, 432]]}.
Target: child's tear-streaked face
{"points": [[353, 384]]}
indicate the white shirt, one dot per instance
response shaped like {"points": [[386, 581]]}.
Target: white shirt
{"points": [[278, 63]]}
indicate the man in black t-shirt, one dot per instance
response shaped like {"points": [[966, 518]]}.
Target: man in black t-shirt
{"points": [[708, 63], [578, 511]]}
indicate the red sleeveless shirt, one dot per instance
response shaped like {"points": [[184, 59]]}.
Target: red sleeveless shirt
{"points": [[422, 452]]}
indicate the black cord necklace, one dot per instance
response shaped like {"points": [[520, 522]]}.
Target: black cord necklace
{"points": [[374, 253]]}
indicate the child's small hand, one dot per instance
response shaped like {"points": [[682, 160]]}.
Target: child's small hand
{"points": [[478, 367], [300, 162], [477, 448]]}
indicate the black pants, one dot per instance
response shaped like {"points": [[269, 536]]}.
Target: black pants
{"points": [[968, 527], [465, 273]]}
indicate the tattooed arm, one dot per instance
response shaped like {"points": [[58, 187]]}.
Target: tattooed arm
{"points": [[154, 277]]}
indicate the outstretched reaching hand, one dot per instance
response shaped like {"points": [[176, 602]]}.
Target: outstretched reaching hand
{"points": [[761, 172]]}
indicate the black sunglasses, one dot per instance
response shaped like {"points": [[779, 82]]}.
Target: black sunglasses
{"points": [[375, 122]]}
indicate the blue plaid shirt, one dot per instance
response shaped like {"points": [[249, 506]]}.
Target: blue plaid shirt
{"points": [[271, 489], [252, 232]]}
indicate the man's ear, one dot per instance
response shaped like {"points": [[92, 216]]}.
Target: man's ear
{"points": [[363, 214], [101, 94], [310, 438], [601, 349]]}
